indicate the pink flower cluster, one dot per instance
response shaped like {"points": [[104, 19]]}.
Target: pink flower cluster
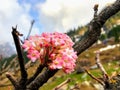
{"points": [[52, 49]]}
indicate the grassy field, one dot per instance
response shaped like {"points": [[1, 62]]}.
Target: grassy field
{"points": [[110, 60], [112, 67]]}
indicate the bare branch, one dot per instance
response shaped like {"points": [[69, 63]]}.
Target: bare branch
{"points": [[15, 34], [95, 10], [12, 79], [6, 69], [6, 85], [62, 84], [30, 29], [100, 66], [93, 77], [37, 72], [94, 28], [41, 79], [90, 37]]}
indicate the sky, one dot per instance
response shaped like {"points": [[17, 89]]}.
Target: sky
{"points": [[49, 15]]}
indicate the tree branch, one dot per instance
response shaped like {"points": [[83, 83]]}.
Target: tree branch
{"points": [[90, 37], [62, 84], [41, 79], [37, 72], [30, 29], [100, 66], [15, 34], [12, 79], [93, 77], [94, 28]]}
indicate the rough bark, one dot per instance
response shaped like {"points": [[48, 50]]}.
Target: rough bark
{"points": [[94, 28], [41, 79]]}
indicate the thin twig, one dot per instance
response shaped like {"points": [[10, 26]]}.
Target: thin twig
{"points": [[12, 79], [95, 10], [5, 85], [98, 80], [10, 64], [100, 66], [30, 29], [62, 84]]}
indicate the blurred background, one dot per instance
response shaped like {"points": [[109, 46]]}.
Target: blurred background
{"points": [[67, 16]]}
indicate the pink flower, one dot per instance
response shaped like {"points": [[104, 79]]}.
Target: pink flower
{"points": [[56, 64], [58, 46], [33, 55]]}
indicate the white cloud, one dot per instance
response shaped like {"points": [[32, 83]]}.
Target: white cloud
{"points": [[62, 15], [11, 14], [54, 15]]}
